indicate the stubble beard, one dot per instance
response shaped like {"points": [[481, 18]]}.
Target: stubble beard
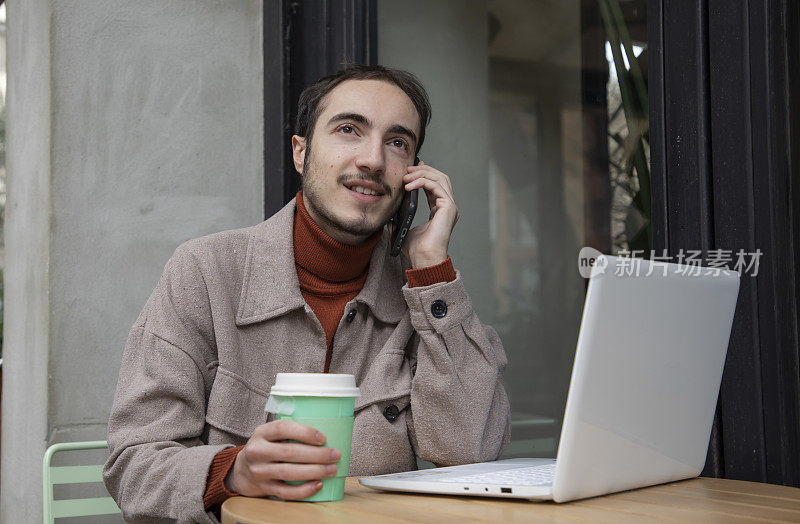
{"points": [[312, 196]]}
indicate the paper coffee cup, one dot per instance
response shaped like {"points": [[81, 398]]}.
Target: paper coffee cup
{"points": [[323, 401]]}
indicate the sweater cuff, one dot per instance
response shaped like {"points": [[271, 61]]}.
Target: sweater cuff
{"points": [[427, 276], [216, 493]]}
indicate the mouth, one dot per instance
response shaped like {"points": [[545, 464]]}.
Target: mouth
{"points": [[365, 191]]}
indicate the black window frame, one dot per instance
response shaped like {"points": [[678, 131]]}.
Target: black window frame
{"points": [[725, 162]]}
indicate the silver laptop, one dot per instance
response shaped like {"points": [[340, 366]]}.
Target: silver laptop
{"points": [[641, 401]]}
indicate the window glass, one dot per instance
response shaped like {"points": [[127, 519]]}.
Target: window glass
{"points": [[540, 119]]}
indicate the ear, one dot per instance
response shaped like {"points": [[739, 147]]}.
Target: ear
{"points": [[299, 152]]}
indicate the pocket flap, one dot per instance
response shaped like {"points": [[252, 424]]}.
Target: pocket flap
{"points": [[234, 405], [387, 382], [401, 399]]}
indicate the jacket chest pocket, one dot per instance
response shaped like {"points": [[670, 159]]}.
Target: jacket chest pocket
{"points": [[234, 406]]}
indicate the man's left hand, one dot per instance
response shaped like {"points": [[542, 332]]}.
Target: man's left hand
{"points": [[426, 245]]}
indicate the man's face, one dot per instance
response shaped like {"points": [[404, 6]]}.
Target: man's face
{"points": [[363, 141]]}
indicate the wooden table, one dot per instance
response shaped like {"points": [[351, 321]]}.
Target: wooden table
{"points": [[695, 500]]}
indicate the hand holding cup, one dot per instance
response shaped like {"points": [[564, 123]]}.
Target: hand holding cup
{"points": [[266, 462]]}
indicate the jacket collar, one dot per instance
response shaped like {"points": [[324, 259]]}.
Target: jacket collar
{"points": [[270, 287]]}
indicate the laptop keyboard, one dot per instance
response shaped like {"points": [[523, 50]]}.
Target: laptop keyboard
{"points": [[529, 476]]}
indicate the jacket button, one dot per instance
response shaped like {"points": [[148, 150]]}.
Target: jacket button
{"points": [[439, 308], [351, 315], [391, 412]]}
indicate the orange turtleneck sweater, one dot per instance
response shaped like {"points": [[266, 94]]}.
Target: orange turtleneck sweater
{"points": [[330, 274]]}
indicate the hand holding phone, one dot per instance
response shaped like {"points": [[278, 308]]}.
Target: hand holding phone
{"points": [[403, 218]]}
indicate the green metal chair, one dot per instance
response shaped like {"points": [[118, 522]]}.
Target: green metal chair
{"points": [[52, 475]]}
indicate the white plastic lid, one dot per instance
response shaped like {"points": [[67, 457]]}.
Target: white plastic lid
{"points": [[315, 385]]}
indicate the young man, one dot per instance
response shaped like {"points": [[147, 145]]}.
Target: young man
{"points": [[312, 289]]}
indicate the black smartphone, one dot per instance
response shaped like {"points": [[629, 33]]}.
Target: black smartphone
{"points": [[403, 218]]}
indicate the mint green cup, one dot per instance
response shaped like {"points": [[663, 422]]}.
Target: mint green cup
{"points": [[323, 401]]}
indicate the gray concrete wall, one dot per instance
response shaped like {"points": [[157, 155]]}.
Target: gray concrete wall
{"points": [[26, 325], [132, 127]]}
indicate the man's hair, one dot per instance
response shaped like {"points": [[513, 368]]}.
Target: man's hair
{"points": [[310, 103]]}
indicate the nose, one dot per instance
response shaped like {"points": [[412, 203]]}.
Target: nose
{"points": [[370, 156]]}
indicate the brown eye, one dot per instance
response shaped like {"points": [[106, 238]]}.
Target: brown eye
{"points": [[399, 143], [347, 129]]}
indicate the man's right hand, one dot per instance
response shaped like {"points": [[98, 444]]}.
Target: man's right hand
{"points": [[265, 462]]}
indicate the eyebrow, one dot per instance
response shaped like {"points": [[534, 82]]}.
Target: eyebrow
{"points": [[361, 119]]}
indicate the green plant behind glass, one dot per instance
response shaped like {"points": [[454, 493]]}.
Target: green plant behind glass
{"points": [[633, 92]]}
